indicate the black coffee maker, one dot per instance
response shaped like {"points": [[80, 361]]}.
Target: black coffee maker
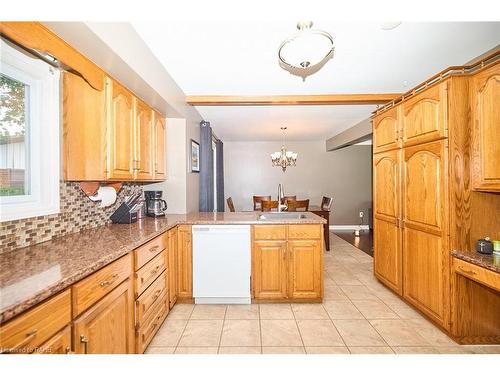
{"points": [[155, 206]]}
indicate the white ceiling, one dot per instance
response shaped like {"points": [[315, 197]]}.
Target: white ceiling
{"points": [[239, 57]]}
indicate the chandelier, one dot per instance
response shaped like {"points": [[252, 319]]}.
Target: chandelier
{"points": [[307, 51], [284, 158]]}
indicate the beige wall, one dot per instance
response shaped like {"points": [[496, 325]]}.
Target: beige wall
{"points": [[343, 174]]}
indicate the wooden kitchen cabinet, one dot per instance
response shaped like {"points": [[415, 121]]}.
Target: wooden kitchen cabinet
{"points": [[84, 130], [121, 162], [305, 268], [387, 219], [108, 326], [425, 233], [386, 131], [184, 263], [144, 141], [160, 170], [485, 87], [269, 270], [290, 267], [60, 343], [424, 116], [172, 266]]}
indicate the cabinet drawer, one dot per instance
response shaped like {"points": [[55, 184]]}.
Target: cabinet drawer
{"points": [[27, 332], [94, 287], [146, 333], [147, 274], [302, 231], [269, 232], [476, 273], [149, 250], [154, 293]]}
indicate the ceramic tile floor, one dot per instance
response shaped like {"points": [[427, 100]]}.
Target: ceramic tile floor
{"points": [[358, 316]]}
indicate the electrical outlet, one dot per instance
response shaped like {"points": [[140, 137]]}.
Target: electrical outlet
{"points": [[361, 214]]}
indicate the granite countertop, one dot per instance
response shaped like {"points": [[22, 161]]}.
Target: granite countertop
{"points": [[490, 262], [34, 273]]}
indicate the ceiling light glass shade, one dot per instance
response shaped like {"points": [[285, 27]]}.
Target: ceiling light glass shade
{"points": [[306, 52]]}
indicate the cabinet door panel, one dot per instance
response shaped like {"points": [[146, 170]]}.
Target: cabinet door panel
{"points": [[121, 132], [108, 326], [386, 131], [143, 141], [424, 116], [160, 150], [305, 268], [172, 266], [424, 187], [486, 116], [426, 280], [388, 254], [184, 262], [386, 183], [269, 273], [60, 343]]}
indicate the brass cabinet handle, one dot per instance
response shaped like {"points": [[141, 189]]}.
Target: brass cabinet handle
{"points": [[155, 270], [84, 340], [68, 350], [154, 249], [469, 272], [156, 295], [108, 282]]}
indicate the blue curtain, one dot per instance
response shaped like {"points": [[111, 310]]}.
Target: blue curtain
{"points": [[221, 204], [206, 168]]}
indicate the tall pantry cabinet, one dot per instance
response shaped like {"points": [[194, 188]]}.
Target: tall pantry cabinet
{"points": [[414, 184]]}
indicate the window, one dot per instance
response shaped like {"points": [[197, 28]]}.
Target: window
{"points": [[29, 136]]}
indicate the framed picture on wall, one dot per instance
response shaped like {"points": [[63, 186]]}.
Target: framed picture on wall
{"points": [[195, 156]]}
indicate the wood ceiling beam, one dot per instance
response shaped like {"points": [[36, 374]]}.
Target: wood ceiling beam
{"points": [[329, 99]]}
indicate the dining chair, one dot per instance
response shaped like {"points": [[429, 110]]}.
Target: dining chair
{"points": [[326, 203], [230, 204], [268, 205], [294, 204], [288, 197], [258, 199]]}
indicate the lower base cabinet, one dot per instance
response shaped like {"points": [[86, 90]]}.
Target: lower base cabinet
{"points": [[388, 254], [60, 343], [287, 263], [107, 327]]}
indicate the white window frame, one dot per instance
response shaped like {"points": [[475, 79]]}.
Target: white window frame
{"points": [[42, 136]]}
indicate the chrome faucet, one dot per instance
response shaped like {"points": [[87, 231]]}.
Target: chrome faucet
{"points": [[281, 195]]}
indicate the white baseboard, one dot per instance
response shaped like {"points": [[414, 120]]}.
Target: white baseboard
{"points": [[349, 227]]}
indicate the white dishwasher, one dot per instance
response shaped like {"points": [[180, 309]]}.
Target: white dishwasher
{"points": [[221, 264]]}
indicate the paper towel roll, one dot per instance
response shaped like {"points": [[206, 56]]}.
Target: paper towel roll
{"points": [[105, 194]]}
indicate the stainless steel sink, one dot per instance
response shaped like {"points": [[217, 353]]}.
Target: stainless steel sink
{"points": [[276, 216]]}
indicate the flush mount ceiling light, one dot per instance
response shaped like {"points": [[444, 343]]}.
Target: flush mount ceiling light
{"points": [[307, 51], [284, 158]]}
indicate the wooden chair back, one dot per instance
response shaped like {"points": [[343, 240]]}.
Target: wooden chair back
{"points": [[288, 197], [258, 199], [268, 205], [230, 204], [293, 205], [326, 203]]}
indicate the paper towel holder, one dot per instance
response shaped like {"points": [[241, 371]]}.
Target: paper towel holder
{"points": [[90, 187]]}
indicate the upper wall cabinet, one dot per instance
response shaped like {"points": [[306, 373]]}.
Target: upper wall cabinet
{"points": [[485, 89], [84, 130], [386, 129], [160, 131], [144, 141], [120, 132], [109, 134], [424, 116]]}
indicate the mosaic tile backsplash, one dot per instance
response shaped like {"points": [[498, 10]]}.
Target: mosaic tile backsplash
{"points": [[77, 212]]}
